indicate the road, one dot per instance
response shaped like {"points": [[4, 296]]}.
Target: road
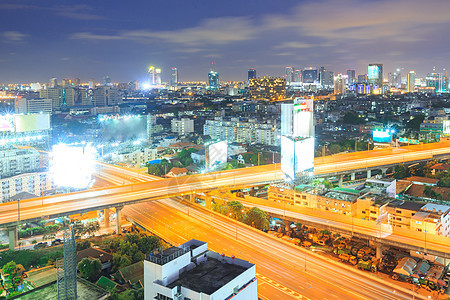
{"points": [[280, 267]]}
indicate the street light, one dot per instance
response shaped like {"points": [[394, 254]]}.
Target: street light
{"points": [[392, 292]]}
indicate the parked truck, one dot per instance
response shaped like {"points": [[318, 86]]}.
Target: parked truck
{"points": [[366, 250], [348, 258], [367, 265]]}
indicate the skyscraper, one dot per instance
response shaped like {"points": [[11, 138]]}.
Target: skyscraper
{"points": [[174, 79], [297, 138], [326, 77], [53, 83], [158, 76], [152, 75], [339, 84], [351, 76], [310, 75], [411, 81], [213, 79], [375, 77], [289, 73], [297, 76], [251, 73]]}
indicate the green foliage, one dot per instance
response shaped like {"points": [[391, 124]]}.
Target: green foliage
{"points": [[415, 122], [27, 258], [90, 268], [254, 159], [41, 230], [401, 171], [236, 209], [131, 248], [185, 156], [127, 295], [9, 268], [430, 193], [257, 218], [84, 244]]}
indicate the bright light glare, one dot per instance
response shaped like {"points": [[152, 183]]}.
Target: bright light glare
{"points": [[72, 166], [146, 86]]}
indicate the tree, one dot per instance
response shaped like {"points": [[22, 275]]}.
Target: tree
{"points": [[427, 191], [257, 218], [352, 118], [401, 171], [415, 122], [254, 159], [90, 268], [236, 209]]}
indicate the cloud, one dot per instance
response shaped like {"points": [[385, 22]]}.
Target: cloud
{"points": [[14, 36], [293, 45], [95, 37], [77, 12]]}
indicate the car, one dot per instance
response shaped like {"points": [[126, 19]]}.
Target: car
{"points": [[41, 245], [57, 242]]}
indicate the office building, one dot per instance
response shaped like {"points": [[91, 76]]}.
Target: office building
{"points": [[289, 74], [182, 126], [297, 77], [267, 88], [411, 85], [33, 106], [107, 80], [191, 271], [213, 80], [339, 84], [106, 96], [437, 81], [243, 131], [33, 183], [375, 77], [18, 161], [362, 78], [53, 83], [251, 74], [56, 94], [174, 78], [151, 76], [158, 76], [135, 158], [297, 138], [310, 75], [326, 78], [351, 76]]}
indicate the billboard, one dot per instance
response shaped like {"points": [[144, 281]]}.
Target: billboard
{"points": [[298, 155], [297, 119], [409, 141], [382, 136], [123, 128], [216, 154], [7, 123], [373, 72], [446, 128], [33, 122]]}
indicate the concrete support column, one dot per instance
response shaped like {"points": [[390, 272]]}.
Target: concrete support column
{"points": [[341, 180], [192, 198], [384, 171], [369, 173], [352, 176], [118, 217], [379, 250], [12, 232], [208, 201], [106, 217]]}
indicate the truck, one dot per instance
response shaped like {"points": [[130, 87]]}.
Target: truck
{"points": [[367, 265], [338, 251], [348, 258], [366, 250], [356, 248]]}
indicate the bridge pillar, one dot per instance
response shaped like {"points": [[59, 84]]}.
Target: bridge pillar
{"points": [[118, 217], [352, 176], [369, 173], [192, 198], [384, 171], [341, 180], [379, 250], [208, 201], [106, 217], [12, 232]]}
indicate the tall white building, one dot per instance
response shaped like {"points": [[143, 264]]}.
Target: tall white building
{"points": [[182, 126], [411, 81], [247, 131], [174, 78], [56, 94], [289, 74], [191, 271], [18, 161], [297, 138], [33, 106], [33, 183]]}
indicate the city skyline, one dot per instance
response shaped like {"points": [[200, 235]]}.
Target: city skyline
{"points": [[87, 40]]}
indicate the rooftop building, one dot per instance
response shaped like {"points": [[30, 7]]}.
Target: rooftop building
{"points": [[191, 271]]}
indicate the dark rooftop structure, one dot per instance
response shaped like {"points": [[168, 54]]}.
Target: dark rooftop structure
{"points": [[162, 257], [409, 205], [208, 277]]}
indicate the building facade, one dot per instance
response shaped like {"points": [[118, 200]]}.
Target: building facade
{"points": [[33, 106], [33, 183], [267, 88], [182, 126]]}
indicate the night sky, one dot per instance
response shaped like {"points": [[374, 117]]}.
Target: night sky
{"points": [[90, 39]]}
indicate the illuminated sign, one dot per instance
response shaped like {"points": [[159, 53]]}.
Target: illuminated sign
{"points": [[216, 154], [408, 141], [373, 72], [33, 122], [446, 127], [298, 156], [7, 123], [382, 136]]}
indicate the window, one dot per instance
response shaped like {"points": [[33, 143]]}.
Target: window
{"points": [[398, 211], [364, 212]]}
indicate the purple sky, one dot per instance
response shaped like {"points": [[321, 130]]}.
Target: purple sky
{"points": [[67, 39]]}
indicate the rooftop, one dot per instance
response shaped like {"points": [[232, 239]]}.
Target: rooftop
{"points": [[208, 277], [162, 257], [425, 180]]}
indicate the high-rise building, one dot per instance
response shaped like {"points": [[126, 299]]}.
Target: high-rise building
{"points": [[33, 106], [158, 76], [297, 77], [182, 126], [411, 81], [107, 80], [174, 78], [310, 75], [297, 138], [106, 96], [362, 78], [251, 73], [326, 78], [56, 94], [152, 76], [375, 77], [289, 74], [213, 80], [351, 76], [53, 83], [437, 81], [267, 88], [339, 84]]}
